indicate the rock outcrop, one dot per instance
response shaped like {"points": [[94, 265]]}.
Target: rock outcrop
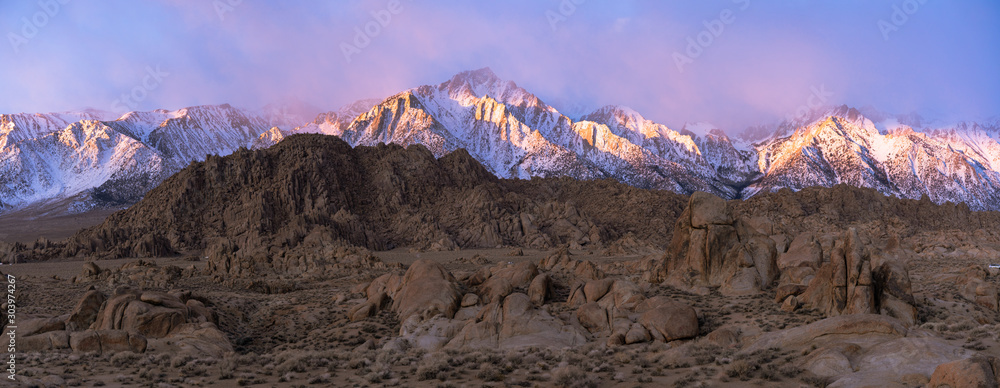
{"points": [[130, 320], [711, 248], [859, 280]]}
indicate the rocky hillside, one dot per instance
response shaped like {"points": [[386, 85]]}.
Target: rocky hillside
{"points": [[316, 188]]}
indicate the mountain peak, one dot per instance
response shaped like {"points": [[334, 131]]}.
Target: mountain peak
{"points": [[483, 74], [476, 80]]}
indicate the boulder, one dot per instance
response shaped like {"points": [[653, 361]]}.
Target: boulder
{"points": [[708, 209], [623, 295], [32, 326], [636, 334], [505, 278], [594, 290], [973, 372], [427, 289], [539, 289], [516, 323], [111, 313], [974, 287], [152, 320], [593, 317], [42, 342], [724, 337], [470, 300], [86, 310], [856, 328], [785, 290], [671, 321], [804, 251], [107, 341], [885, 363]]}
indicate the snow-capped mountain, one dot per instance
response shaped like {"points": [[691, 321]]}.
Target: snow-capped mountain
{"points": [[98, 159], [950, 164], [517, 135], [101, 161]]}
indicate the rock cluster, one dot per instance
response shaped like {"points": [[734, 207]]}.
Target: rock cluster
{"points": [[137, 273], [316, 258], [511, 305], [129, 320]]}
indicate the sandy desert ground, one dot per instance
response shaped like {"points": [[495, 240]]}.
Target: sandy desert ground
{"points": [[305, 337]]}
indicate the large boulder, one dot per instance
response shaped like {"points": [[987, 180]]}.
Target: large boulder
{"points": [[885, 364], [973, 372], [51, 340], [858, 328], [516, 323], [804, 251], [593, 317], [974, 287], [708, 209], [152, 314], [86, 310], [32, 326], [503, 279], [427, 289], [671, 321], [107, 341]]}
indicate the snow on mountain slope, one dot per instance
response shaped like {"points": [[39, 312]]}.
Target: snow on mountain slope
{"points": [[108, 160], [23, 126], [515, 134], [49, 157], [847, 148], [64, 163]]}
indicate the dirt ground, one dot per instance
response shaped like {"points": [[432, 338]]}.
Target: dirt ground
{"points": [[304, 338], [28, 225]]}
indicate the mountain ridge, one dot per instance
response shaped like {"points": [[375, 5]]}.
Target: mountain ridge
{"points": [[514, 134]]}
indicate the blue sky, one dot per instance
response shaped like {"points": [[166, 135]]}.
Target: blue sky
{"points": [[729, 62]]}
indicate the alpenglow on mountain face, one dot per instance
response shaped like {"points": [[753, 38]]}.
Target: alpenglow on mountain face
{"points": [[88, 159]]}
